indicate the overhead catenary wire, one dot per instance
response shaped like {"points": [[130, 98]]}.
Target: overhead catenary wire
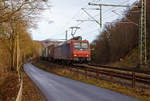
{"points": [[79, 15]]}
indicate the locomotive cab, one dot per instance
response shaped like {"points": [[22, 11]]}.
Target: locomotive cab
{"points": [[80, 51]]}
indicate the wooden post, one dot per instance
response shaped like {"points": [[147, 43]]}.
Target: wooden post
{"points": [[65, 69], [97, 75], [133, 79], [70, 69], [86, 73], [77, 73], [56, 68], [111, 76]]}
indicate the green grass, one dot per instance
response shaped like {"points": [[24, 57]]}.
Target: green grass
{"points": [[136, 93]]}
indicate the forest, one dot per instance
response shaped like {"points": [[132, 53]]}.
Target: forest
{"points": [[119, 40]]}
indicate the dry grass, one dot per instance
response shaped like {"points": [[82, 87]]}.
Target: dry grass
{"points": [[8, 86], [137, 93]]}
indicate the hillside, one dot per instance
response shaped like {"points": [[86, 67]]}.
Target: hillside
{"points": [[118, 43]]}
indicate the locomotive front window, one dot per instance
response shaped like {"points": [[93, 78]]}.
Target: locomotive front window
{"points": [[84, 45], [76, 45], [80, 46]]}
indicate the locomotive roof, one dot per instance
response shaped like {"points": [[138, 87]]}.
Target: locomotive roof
{"points": [[68, 41]]}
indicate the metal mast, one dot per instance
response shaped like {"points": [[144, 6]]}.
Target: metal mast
{"points": [[66, 35], [142, 42], [100, 8]]}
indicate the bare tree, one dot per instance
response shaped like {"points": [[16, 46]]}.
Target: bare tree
{"points": [[16, 16]]}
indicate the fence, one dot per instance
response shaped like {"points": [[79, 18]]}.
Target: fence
{"points": [[19, 96], [96, 73]]}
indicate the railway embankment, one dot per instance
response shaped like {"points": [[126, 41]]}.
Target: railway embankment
{"points": [[61, 70]]}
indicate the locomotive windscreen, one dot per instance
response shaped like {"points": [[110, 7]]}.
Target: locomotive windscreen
{"points": [[80, 46], [84, 45], [76, 45]]}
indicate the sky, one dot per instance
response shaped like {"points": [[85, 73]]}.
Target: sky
{"points": [[64, 14]]}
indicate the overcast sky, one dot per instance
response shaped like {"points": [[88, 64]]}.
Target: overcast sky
{"points": [[64, 13]]}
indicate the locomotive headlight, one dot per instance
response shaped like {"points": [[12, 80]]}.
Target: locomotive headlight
{"points": [[75, 55]]}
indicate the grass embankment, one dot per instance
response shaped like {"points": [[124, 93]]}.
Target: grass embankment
{"points": [[137, 93], [131, 60]]}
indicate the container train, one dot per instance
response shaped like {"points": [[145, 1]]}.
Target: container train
{"points": [[74, 50]]}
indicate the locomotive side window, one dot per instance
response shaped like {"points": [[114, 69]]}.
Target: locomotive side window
{"points": [[76, 45]]}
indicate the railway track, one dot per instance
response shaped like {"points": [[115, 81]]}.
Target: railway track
{"points": [[131, 69]]}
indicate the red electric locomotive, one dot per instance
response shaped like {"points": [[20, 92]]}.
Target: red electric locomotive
{"points": [[80, 50], [73, 50]]}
